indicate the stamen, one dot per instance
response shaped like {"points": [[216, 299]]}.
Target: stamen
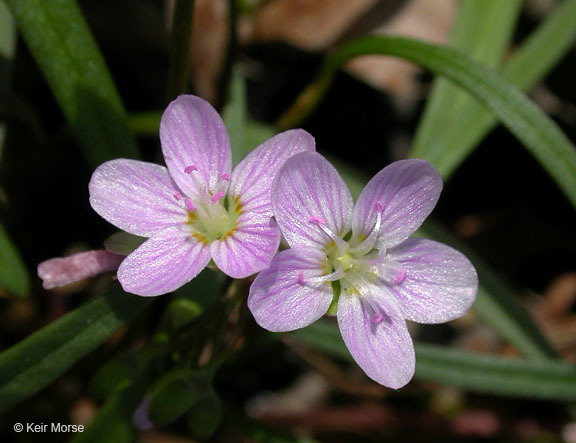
{"points": [[321, 223], [189, 169], [189, 205], [375, 313], [226, 176], [389, 270], [177, 196], [317, 220], [401, 276], [371, 240], [336, 275], [301, 278], [217, 196]]}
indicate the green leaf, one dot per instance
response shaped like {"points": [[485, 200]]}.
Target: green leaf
{"points": [[483, 30], [528, 65], [175, 394], [65, 51], [540, 135], [36, 361], [205, 416], [116, 373], [473, 372], [14, 277]]}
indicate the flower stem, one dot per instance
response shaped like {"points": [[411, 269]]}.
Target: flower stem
{"points": [[180, 43]]}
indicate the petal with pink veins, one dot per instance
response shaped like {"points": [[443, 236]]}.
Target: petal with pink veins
{"points": [[252, 178], [195, 145], [406, 192], [440, 283], [163, 263], [135, 196], [249, 248], [308, 193], [285, 297], [376, 335]]}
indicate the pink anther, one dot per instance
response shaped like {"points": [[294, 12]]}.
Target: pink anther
{"points": [[177, 195], [217, 197], [189, 205], [189, 169], [401, 276], [301, 278], [379, 206], [226, 176], [377, 318], [317, 220]]}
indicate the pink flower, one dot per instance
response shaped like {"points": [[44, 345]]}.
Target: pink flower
{"points": [[197, 209], [385, 278]]}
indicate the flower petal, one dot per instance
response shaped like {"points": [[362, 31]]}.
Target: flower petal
{"points": [[163, 263], [250, 248], [440, 283], [196, 145], [308, 188], [252, 178], [135, 196], [283, 297], [407, 190], [383, 350]]}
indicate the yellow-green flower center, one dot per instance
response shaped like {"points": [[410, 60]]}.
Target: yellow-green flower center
{"points": [[214, 220]]}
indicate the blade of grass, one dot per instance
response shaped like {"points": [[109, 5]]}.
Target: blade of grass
{"points": [[14, 277], [180, 55], [550, 380], [66, 52], [483, 30], [528, 65], [35, 362], [540, 135], [7, 50]]}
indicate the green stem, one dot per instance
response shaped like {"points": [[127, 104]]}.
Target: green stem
{"points": [[181, 40]]}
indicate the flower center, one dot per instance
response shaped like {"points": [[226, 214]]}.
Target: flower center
{"points": [[211, 216], [357, 262], [214, 219]]}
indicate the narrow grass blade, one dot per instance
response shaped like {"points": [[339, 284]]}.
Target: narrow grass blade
{"points": [[483, 30], [65, 51], [540, 135], [35, 362], [14, 278], [528, 65]]}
